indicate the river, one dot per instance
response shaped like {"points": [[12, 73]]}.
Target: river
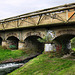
{"points": [[9, 67]]}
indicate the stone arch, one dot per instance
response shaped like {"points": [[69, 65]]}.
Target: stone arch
{"points": [[33, 45], [33, 34], [63, 41], [12, 42], [10, 35], [64, 32]]}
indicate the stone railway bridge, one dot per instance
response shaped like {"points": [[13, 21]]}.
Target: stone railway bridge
{"points": [[22, 31]]}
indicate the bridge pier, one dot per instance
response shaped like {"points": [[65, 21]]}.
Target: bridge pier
{"points": [[49, 47], [4, 43], [21, 45]]}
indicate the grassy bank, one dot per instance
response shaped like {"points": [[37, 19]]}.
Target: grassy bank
{"points": [[44, 65], [6, 54]]}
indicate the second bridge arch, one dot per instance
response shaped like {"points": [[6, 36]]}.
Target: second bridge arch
{"points": [[33, 45]]}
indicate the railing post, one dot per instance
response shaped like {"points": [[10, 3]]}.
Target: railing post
{"points": [[66, 15]]}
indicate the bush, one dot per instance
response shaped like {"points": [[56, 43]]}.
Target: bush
{"points": [[73, 43]]}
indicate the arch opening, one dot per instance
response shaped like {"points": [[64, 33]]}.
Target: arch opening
{"points": [[63, 42], [33, 45], [0, 41], [12, 42]]}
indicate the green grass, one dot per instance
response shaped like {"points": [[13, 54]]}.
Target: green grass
{"points": [[6, 54], [44, 65]]}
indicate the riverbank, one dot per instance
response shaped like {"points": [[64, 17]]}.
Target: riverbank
{"points": [[8, 56], [45, 65]]}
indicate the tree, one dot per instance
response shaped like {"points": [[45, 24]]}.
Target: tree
{"points": [[48, 38]]}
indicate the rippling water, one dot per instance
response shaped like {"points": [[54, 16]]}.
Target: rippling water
{"points": [[7, 68]]}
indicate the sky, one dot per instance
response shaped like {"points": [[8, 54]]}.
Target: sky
{"points": [[10, 8]]}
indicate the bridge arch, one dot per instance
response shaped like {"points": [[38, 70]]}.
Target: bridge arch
{"points": [[34, 33], [10, 35], [63, 42], [33, 45], [68, 31], [12, 42]]}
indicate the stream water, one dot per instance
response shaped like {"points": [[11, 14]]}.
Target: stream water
{"points": [[9, 67]]}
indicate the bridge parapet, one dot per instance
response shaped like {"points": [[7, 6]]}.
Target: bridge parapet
{"points": [[60, 14]]}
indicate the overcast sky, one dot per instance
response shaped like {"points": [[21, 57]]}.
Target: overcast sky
{"points": [[9, 8]]}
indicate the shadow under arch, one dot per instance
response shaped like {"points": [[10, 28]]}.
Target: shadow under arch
{"points": [[12, 42], [63, 42], [1, 41], [33, 45]]}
